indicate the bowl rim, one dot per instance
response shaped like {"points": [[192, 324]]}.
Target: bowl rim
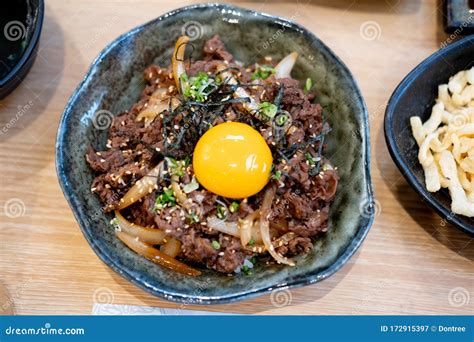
{"points": [[301, 280], [21, 68], [390, 138]]}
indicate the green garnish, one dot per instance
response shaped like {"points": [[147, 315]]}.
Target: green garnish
{"points": [[221, 211], [114, 222], [215, 244], [268, 109], [277, 175], [177, 166], [262, 72], [253, 260], [311, 160], [193, 217], [165, 199], [308, 85], [234, 206], [198, 87], [281, 119], [252, 242], [246, 270]]}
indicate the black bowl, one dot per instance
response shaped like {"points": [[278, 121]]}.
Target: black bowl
{"points": [[416, 95], [20, 24]]}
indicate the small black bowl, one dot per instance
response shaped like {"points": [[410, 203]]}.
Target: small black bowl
{"points": [[416, 95], [20, 29]]}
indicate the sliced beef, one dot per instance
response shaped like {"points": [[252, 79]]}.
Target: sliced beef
{"points": [[106, 160], [214, 48]]}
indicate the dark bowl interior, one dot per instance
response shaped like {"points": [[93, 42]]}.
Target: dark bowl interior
{"points": [[20, 24], [416, 95], [114, 83]]}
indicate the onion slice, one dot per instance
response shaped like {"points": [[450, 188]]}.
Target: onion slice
{"points": [[229, 228], [248, 230], [142, 187], [251, 106], [283, 69], [177, 62], [172, 247], [265, 227], [155, 255], [147, 235], [158, 103], [233, 228]]}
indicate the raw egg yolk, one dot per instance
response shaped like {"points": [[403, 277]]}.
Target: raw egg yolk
{"points": [[232, 160]]}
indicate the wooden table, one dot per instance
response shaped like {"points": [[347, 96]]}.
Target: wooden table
{"points": [[412, 262]]}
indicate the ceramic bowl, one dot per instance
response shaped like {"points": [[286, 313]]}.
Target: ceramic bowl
{"points": [[114, 83], [416, 95], [19, 42]]}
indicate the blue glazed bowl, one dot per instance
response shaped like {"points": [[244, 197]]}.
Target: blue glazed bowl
{"points": [[416, 95], [114, 82]]}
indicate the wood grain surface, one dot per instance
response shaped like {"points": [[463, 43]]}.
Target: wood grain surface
{"points": [[412, 261]]}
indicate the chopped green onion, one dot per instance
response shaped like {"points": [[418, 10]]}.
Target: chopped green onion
{"points": [[268, 109], [221, 211], [262, 72], [199, 87], [277, 175], [253, 260], [165, 199], [176, 167], [234, 206], [193, 217], [311, 160], [281, 119], [308, 85], [246, 270], [252, 242], [215, 244]]}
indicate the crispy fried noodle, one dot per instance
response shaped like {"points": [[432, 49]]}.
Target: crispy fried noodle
{"points": [[446, 142]]}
